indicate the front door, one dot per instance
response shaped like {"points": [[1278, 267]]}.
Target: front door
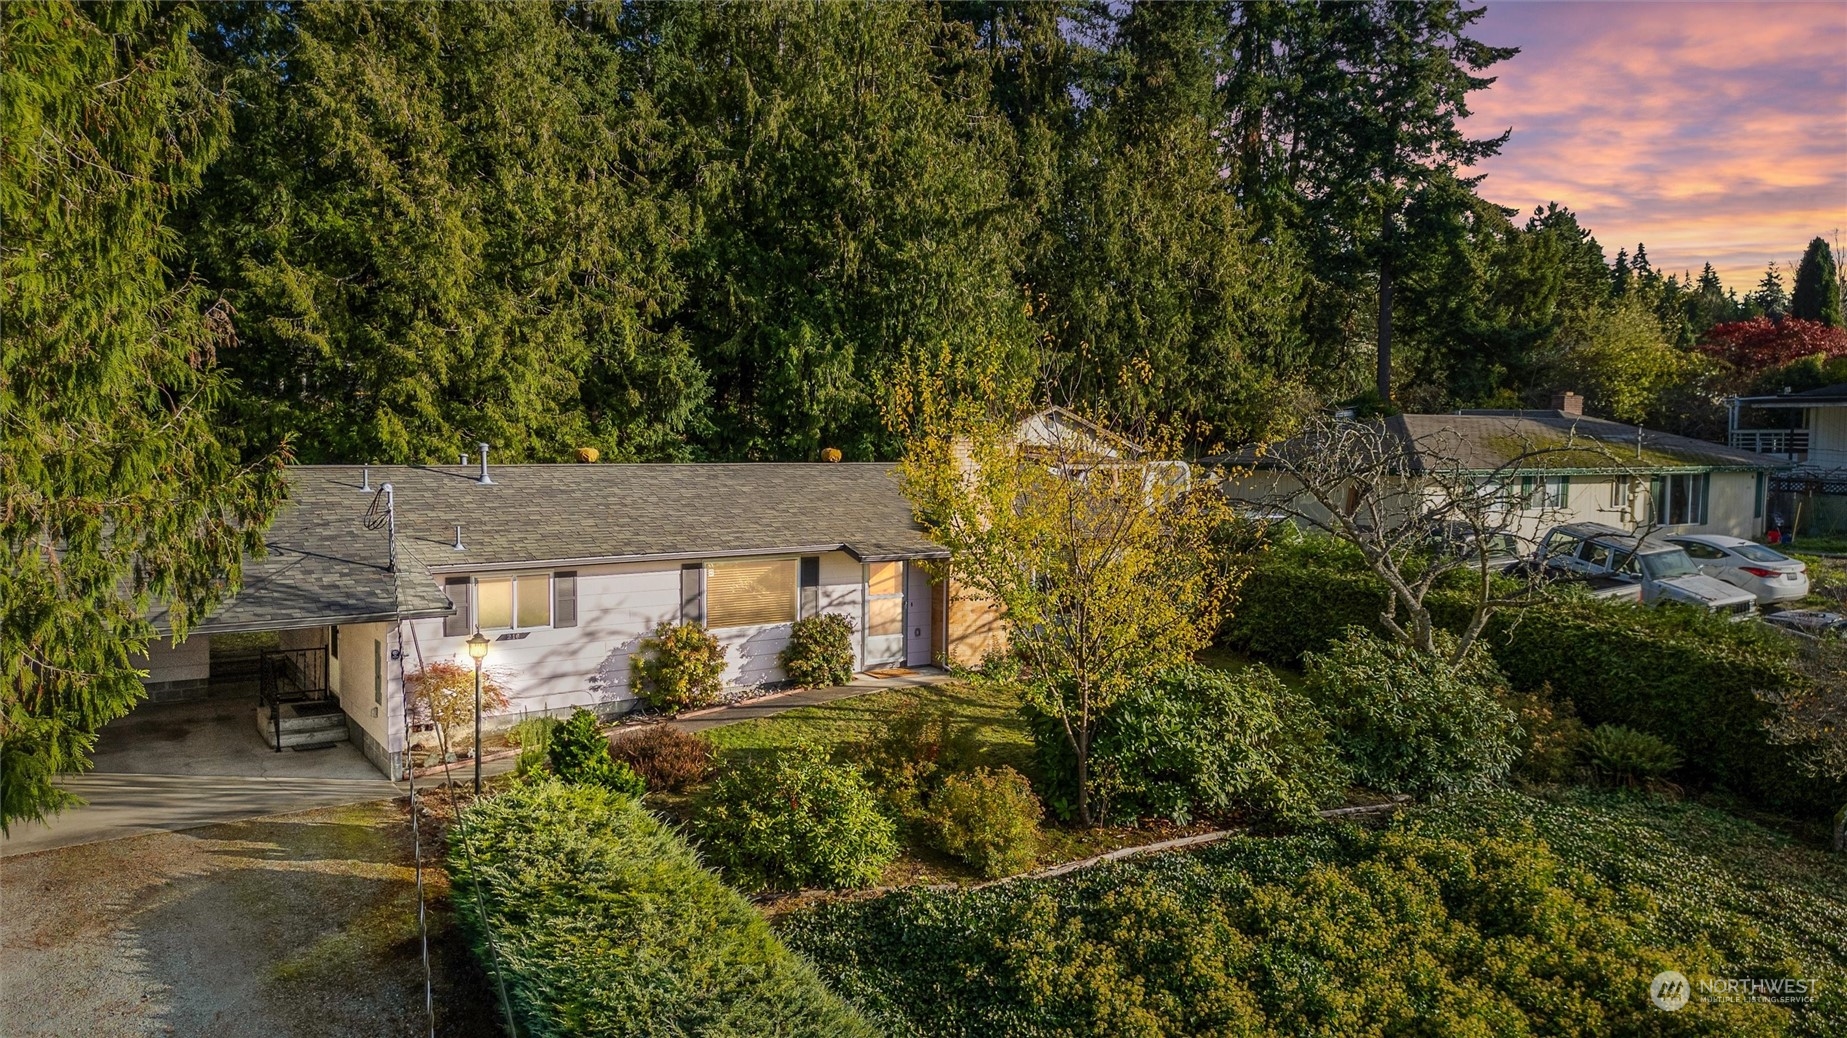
{"points": [[884, 619], [918, 642]]}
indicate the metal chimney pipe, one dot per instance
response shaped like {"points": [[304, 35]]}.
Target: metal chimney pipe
{"points": [[458, 538], [484, 480], [365, 478]]}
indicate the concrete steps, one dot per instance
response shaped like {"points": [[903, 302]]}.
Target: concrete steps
{"points": [[304, 724]]}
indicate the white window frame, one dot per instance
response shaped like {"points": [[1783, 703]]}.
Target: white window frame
{"points": [[1695, 511], [551, 602]]}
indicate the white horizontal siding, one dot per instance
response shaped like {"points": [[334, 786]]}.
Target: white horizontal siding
{"points": [[553, 670]]}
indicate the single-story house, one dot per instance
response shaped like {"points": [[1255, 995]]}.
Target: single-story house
{"points": [[1581, 469], [375, 571]]}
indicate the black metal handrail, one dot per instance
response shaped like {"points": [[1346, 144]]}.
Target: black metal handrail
{"points": [[290, 676]]}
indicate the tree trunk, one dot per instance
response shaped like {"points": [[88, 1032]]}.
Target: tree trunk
{"points": [[1083, 789], [1385, 333], [1840, 829]]}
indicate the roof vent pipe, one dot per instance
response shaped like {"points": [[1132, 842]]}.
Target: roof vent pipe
{"points": [[365, 478], [484, 480], [463, 458], [458, 538]]}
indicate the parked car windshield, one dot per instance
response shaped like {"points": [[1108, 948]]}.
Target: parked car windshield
{"points": [[1759, 553], [1663, 565]]}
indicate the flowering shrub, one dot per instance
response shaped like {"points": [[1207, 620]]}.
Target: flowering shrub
{"points": [[678, 667], [1450, 926]]}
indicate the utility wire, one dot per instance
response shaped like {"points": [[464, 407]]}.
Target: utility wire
{"points": [[487, 926], [416, 839]]}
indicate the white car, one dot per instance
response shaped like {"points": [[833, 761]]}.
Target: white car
{"points": [[1765, 572]]}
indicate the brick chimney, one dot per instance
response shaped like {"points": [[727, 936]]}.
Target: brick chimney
{"points": [[1568, 402]]}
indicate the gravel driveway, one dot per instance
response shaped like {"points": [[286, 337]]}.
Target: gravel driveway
{"points": [[301, 924]]}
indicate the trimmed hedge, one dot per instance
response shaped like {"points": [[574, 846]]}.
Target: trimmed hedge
{"points": [[1457, 929], [1678, 674], [605, 924], [1304, 595]]}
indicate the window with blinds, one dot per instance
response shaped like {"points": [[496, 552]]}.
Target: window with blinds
{"points": [[517, 603], [749, 594]]}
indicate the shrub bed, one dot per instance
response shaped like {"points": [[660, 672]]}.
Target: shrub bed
{"points": [[604, 924], [795, 819], [1407, 721], [1679, 675], [1443, 929], [1197, 741], [667, 759], [678, 667], [820, 651], [1683, 676]]}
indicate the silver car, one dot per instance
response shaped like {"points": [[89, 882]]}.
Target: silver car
{"points": [[1665, 571], [1765, 572]]}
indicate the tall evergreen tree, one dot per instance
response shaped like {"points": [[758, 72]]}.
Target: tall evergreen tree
{"points": [[1385, 98], [1158, 295], [437, 226], [117, 496], [848, 186], [1817, 294], [1770, 299]]}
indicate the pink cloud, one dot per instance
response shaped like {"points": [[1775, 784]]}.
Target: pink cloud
{"points": [[1713, 132]]}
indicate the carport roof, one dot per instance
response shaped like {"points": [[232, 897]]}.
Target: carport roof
{"points": [[325, 566]]}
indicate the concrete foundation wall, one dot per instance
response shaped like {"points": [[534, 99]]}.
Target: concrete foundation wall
{"points": [[179, 672]]}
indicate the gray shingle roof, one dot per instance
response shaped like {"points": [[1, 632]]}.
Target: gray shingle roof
{"points": [[1486, 440], [324, 566]]}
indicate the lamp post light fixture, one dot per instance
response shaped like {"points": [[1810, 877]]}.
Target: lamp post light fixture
{"points": [[477, 649]]}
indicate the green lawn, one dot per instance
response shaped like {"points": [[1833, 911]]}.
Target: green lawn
{"points": [[992, 714]]}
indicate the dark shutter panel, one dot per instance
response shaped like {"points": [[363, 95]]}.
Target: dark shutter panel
{"points": [[811, 585], [564, 599], [460, 622], [692, 593]]}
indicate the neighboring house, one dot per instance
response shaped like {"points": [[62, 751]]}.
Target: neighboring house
{"points": [[1621, 475], [566, 568], [1809, 431]]}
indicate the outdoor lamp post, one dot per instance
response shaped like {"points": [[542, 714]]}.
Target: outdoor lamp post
{"points": [[477, 649]]}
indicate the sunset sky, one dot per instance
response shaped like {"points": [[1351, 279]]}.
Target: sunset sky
{"points": [[1710, 131]]}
